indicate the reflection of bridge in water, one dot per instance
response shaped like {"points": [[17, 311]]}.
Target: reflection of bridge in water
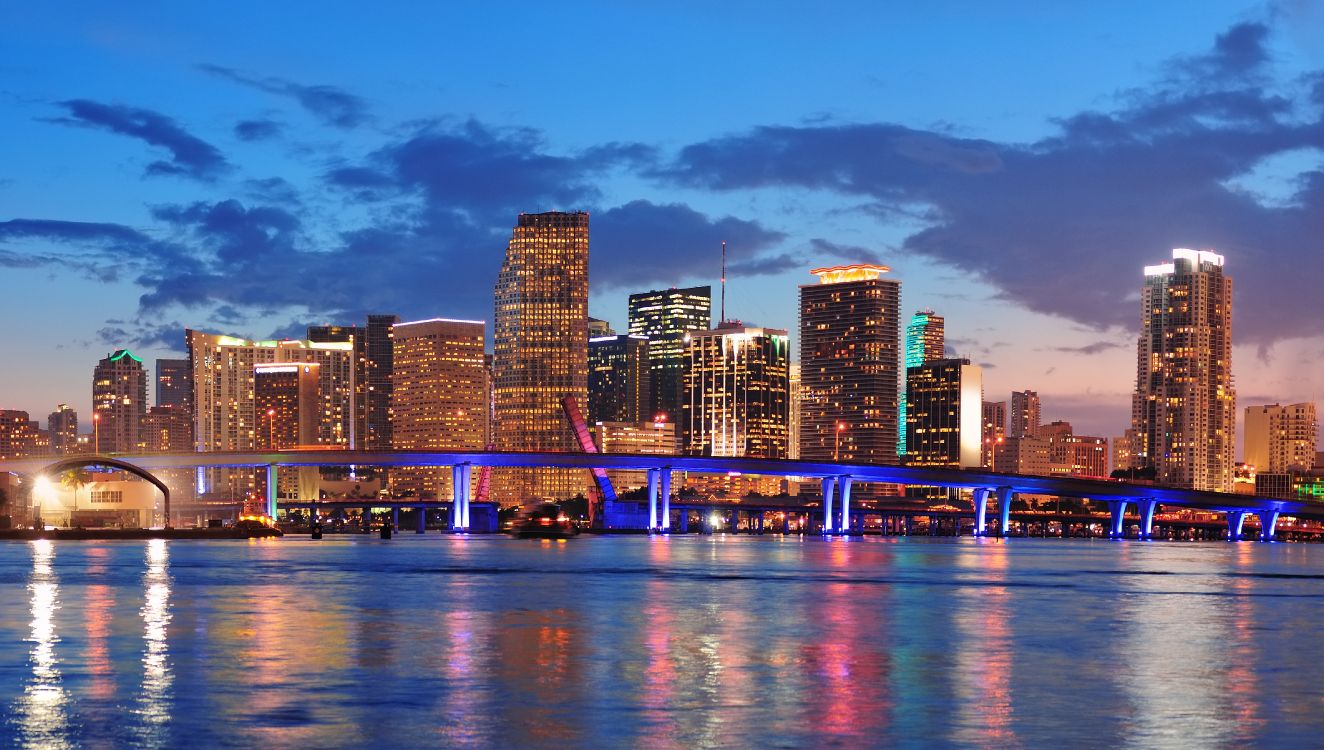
{"points": [[836, 479]]}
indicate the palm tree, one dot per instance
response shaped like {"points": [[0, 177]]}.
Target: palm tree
{"points": [[77, 478]]}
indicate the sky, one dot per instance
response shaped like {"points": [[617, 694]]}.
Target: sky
{"points": [[253, 168]]}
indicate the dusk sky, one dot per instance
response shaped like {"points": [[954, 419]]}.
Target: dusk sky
{"points": [[252, 168]]}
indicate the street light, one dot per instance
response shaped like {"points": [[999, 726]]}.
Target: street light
{"points": [[271, 429], [96, 432], [836, 441], [993, 452]]}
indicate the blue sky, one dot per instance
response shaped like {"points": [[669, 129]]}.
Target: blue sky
{"points": [[253, 168]]}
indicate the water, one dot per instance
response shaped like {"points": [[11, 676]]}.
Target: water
{"points": [[657, 643]]}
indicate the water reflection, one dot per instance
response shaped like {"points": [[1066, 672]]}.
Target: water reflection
{"points": [[985, 648], [43, 709], [154, 701]]}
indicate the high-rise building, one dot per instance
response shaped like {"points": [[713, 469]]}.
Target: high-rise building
{"points": [[1184, 407], [18, 434], [995, 428], [944, 414], [287, 401], [540, 350], [850, 357], [381, 351], [736, 393], [618, 379], [224, 408], [1024, 415], [174, 383], [439, 397], [62, 424], [166, 429], [1075, 455], [925, 341], [643, 438], [664, 317], [794, 393], [119, 401], [1280, 439], [357, 336], [597, 328]]}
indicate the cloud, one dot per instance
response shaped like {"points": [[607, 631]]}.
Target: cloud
{"points": [[257, 130], [1095, 348], [330, 104], [190, 156], [1063, 225]]}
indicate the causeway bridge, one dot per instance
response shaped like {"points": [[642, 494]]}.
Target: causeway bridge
{"points": [[997, 489]]}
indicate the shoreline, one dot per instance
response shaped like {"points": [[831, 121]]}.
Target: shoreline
{"points": [[136, 534]]}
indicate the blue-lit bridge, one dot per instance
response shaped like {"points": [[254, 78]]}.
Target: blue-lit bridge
{"points": [[836, 479]]}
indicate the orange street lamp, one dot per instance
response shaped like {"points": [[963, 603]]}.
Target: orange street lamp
{"points": [[96, 432], [271, 429], [993, 452], [836, 441]]}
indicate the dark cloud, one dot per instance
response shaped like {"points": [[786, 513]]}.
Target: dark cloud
{"points": [[643, 243], [333, 106], [1064, 225], [1095, 348], [99, 251], [257, 130], [190, 156], [819, 247]]}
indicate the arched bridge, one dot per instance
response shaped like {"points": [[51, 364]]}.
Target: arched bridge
{"points": [[836, 478], [52, 470]]}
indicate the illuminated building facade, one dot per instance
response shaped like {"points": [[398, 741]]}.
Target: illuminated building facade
{"points": [[637, 438], [1025, 414], [119, 401], [664, 317], [18, 434], [995, 427], [1075, 455], [925, 341], [174, 384], [540, 350], [357, 338], [225, 415], [166, 429], [287, 399], [737, 394], [439, 396], [944, 414], [381, 353], [1280, 439], [794, 393], [850, 357], [62, 425], [618, 379], [1184, 407]]}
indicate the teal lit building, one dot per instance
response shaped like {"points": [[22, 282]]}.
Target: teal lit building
{"points": [[925, 341]]}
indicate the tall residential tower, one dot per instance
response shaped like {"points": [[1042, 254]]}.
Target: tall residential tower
{"points": [[664, 317], [925, 341]]}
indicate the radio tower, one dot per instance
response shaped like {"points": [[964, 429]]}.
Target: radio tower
{"points": [[721, 321]]}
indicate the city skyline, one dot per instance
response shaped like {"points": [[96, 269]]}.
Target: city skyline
{"points": [[240, 207]]}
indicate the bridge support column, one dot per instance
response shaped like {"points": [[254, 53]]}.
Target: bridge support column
{"points": [[271, 491], [422, 520], [1146, 507], [1235, 518], [395, 518], [1116, 515], [846, 527], [1268, 520], [981, 511], [1005, 495], [665, 491], [460, 474], [685, 521], [653, 477], [829, 489]]}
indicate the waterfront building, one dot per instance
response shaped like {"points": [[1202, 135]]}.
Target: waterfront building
{"points": [[637, 438], [174, 383], [540, 350], [664, 317], [287, 401], [925, 341], [357, 338], [166, 429], [439, 397], [944, 414], [1184, 406], [1024, 415], [995, 428], [736, 393], [381, 350], [119, 401], [1280, 439], [850, 360], [62, 425], [225, 412], [795, 394], [1075, 455], [618, 379], [18, 434]]}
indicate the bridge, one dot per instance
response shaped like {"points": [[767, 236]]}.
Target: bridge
{"points": [[836, 480]]}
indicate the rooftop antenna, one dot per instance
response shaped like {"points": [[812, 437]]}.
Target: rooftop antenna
{"points": [[722, 320]]}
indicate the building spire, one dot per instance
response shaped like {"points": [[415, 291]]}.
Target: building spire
{"points": [[722, 318]]}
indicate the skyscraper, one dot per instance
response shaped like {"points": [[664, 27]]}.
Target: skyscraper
{"points": [[1024, 416], [439, 396], [850, 359], [18, 434], [380, 368], [736, 393], [794, 395], [62, 424], [944, 414], [995, 428], [618, 379], [540, 350], [119, 401], [664, 317], [1280, 439], [925, 341], [174, 383], [358, 337], [1184, 407]]}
